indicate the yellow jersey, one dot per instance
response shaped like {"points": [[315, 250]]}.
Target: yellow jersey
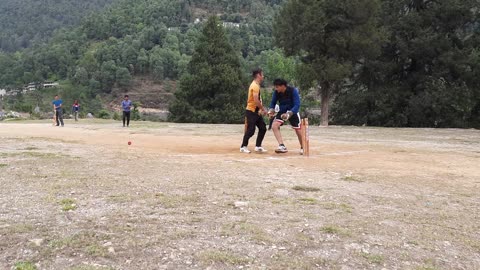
{"points": [[253, 89]]}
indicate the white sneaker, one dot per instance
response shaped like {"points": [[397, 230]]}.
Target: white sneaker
{"points": [[301, 151], [281, 149], [259, 149], [244, 150]]}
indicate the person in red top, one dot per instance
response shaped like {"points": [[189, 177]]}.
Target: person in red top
{"points": [[75, 109]]}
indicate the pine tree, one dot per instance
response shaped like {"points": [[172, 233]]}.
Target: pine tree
{"points": [[211, 91]]}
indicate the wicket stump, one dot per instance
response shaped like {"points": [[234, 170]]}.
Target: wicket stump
{"points": [[305, 137]]}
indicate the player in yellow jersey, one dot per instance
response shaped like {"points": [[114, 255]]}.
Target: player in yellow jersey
{"points": [[254, 114]]}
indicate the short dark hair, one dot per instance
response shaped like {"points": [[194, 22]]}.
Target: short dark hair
{"points": [[125, 96], [279, 82], [256, 71]]}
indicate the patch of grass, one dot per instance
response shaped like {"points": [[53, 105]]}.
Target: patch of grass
{"points": [[309, 201], [255, 232], [120, 198], [306, 189], [96, 250], [91, 267], [297, 263], [341, 206], [209, 257], [351, 178], [426, 267], [68, 204], [3, 165], [86, 241], [333, 229], [17, 228], [173, 201], [24, 266], [373, 258], [30, 148], [412, 243]]}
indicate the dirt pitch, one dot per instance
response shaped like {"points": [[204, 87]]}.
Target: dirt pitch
{"points": [[183, 197]]}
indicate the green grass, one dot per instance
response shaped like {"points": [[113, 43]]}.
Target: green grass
{"points": [[96, 250], [373, 258], [24, 266], [2, 165], [90, 267], [68, 204], [309, 201], [255, 232], [351, 178], [306, 189], [333, 229], [209, 257], [341, 206]]}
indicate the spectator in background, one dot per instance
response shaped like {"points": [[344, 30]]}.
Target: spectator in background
{"points": [[126, 107], [75, 109], [57, 107]]}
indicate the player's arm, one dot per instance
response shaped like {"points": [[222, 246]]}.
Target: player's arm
{"points": [[296, 101], [258, 102], [271, 111]]}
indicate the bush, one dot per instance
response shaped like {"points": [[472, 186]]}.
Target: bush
{"points": [[104, 114], [116, 116]]}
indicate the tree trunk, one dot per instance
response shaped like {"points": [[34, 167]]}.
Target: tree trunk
{"points": [[325, 100]]}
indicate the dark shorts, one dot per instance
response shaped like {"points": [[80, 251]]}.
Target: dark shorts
{"points": [[294, 120]]}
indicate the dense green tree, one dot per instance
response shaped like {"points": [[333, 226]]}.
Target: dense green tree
{"points": [[211, 92], [332, 37], [24, 23], [428, 72]]}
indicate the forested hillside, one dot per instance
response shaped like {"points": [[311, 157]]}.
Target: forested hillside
{"points": [[27, 22]]}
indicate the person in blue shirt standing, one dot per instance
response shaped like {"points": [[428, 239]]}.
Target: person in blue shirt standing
{"points": [[126, 106], [57, 106], [288, 98]]}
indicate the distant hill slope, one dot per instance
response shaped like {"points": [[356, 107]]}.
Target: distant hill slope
{"points": [[26, 22]]}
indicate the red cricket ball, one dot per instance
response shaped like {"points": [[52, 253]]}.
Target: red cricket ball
{"points": [[129, 143]]}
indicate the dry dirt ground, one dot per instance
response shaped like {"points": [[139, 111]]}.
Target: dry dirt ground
{"points": [[183, 197]]}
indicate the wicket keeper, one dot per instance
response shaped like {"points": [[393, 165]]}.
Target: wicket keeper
{"points": [[288, 98]]}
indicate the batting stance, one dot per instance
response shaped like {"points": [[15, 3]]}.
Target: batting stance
{"points": [[254, 115], [289, 101]]}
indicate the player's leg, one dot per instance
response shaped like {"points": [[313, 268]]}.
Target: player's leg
{"points": [[262, 130], [56, 117], [124, 117], [277, 123], [251, 119], [297, 126], [60, 116], [128, 118]]}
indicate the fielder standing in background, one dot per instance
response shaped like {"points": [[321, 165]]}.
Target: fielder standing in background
{"points": [[254, 115], [57, 106], [126, 107], [288, 98], [75, 109]]}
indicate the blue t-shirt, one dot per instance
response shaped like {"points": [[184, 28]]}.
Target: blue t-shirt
{"points": [[57, 104], [126, 104], [289, 100]]}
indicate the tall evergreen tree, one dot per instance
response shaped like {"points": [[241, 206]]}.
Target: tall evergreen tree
{"points": [[211, 91], [332, 37]]}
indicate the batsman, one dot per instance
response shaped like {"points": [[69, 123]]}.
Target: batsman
{"points": [[288, 98]]}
